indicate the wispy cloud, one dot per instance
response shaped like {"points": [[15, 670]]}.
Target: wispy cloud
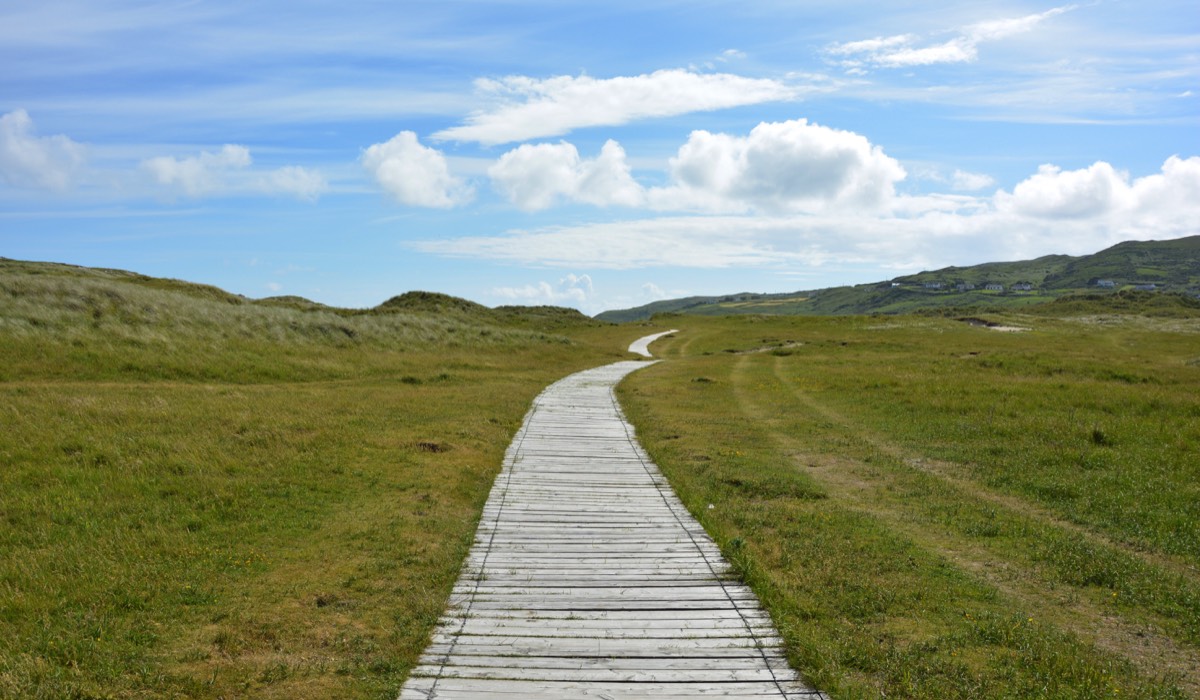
{"points": [[528, 108], [200, 174], [964, 181], [296, 181], [228, 171], [906, 50], [687, 241]]}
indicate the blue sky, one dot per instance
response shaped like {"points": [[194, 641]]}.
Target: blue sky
{"points": [[596, 155]]}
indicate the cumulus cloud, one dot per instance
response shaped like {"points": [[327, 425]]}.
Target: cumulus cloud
{"points": [[791, 166], [904, 50], [573, 290], [535, 176], [1175, 189], [1091, 192], [1101, 192], [415, 175], [37, 162], [528, 108], [228, 171], [1052, 211], [778, 167]]}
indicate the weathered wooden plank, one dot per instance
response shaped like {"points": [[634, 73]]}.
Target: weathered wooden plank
{"points": [[453, 689], [607, 633], [590, 662], [551, 628], [605, 673], [619, 617], [589, 579], [520, 647]]}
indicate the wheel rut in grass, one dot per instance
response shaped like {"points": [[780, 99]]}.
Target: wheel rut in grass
{"points": [[589, 579], [953, 475], [869, 490]]}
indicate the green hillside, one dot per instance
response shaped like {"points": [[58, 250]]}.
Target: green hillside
{"points": [[1032, 272], [1173, 267]]}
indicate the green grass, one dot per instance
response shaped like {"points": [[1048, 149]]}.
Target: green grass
{"points": [[932, 509], [207, 497]]}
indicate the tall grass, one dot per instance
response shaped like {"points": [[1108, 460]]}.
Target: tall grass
{"points": [[83, 325]]}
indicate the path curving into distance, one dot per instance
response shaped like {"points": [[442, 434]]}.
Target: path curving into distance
{"points": [[589, 579]]}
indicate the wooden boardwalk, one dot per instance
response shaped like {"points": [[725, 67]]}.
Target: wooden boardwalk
{"points": [[589, 579]]}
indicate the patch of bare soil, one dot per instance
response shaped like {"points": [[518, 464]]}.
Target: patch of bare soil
{"points": [[991, 325]]}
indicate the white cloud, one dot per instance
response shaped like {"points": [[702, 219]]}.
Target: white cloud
{"points": [[653, 291], [903, 50], [872, 46], [964, 181], [574, 290], [199, 175], [415, 175], [1053, 193], [685, 241], [1002, 28], [1053, 211], [39, 162], [528, 108], [779, 167], [534, 176], [1176, 188], [1101, 192], [960, 50], [302, 183], [229, 171]]}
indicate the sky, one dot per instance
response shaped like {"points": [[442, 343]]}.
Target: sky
{"points": [[586, 154]]}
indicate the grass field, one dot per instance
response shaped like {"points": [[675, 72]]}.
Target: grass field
{"points": [[205, 498], [208, 497], [932, 509]]}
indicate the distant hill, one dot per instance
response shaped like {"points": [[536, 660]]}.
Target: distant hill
{"points": [[417, 303], [544, 317], [1170, 266]]}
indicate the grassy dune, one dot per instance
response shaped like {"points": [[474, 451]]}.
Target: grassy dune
{"points": [[932, 509], [206, 497]]}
